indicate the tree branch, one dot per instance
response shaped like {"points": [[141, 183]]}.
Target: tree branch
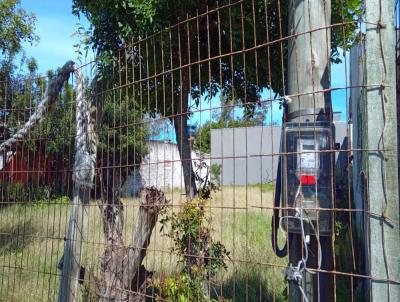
{"points": [[51, 94]]}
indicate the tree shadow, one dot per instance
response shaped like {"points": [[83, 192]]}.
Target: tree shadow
{"points": [[15, 238], [250, 286]]}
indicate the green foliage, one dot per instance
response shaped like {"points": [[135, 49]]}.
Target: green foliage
{"points": [[55, 134], [201, 255], [32, 65], [58, 200], [202, 137], [13, 193], [16, 26], [36, 195], [343, 36], [182, 288], [132, 20], [216, 174], [121, 132], [190, 233]]}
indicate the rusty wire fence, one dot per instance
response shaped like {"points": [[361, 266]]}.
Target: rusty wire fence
{"points": [[235, 109]]}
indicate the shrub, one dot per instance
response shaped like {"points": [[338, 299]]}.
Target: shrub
{"points": [[13, 192], [216, 174], [201, 256]]}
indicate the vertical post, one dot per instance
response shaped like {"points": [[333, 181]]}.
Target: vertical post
{"points": [[381, 162], [72, 259], [308, 74], [83, 174]]}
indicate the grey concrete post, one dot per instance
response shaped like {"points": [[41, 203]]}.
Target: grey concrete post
{"points": [[381, 159]]}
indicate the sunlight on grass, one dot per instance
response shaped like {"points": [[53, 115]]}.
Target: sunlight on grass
{"points": [[32, 241]]}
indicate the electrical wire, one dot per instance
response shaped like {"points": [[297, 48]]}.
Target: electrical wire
{"points": [[296, 273]]}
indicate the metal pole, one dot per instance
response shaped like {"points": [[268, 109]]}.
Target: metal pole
{"points": [[307, 73], [382, 167]]}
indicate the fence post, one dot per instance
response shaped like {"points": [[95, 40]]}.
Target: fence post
{"points": [[83, 174], [74, 245], [308, 75], [381, 158]]}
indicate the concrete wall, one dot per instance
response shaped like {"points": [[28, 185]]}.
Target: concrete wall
{"points": [[161, 168], [246, 155], [250, 155]]}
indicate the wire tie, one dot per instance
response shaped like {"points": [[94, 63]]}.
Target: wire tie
{"points": [[380, 25], [386, 219]]}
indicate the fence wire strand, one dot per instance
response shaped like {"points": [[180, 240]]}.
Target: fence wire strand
{"points": [[201, 112]]}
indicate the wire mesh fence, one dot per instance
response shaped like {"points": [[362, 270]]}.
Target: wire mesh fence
{"points": [[226, 147]]}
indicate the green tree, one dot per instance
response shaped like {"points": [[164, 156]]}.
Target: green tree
{"points": [[16, 27], [202, 137], [159, 66]]}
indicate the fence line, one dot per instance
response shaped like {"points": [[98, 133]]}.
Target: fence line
{"points": [[231, 67]]}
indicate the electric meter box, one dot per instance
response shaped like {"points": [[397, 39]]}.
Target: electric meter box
{"points": [[308, 160]]}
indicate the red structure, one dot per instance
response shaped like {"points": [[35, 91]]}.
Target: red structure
{"points": [[16, 167]]}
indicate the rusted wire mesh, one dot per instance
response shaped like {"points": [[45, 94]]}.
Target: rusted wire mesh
{"points": [[200, 111]]}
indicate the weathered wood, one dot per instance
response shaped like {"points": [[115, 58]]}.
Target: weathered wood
{"points": [[307, 75], [123, 275], [308, 56], [152, 201], [113, 223]]}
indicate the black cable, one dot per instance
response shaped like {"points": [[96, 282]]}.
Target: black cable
{"points": [[275, 218]]}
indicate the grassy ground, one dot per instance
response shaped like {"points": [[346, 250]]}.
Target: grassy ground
{"points": [[32, 239]]}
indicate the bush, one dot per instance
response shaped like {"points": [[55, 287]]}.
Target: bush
{"points": [[13, 192], [22, 193], [182, 288], [216, 174], [201, 256]]}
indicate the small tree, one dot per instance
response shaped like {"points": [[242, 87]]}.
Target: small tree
{"points": [[221, 27], [16, 27]]}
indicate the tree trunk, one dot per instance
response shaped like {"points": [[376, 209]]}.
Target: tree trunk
{"points": [[113, 223], [123, 277], [182, 138], [180, 123], [152, 201]]}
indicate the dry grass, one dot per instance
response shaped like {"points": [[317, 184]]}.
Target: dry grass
{"points": [[31, 244]]}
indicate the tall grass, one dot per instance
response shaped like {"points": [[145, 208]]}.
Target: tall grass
{"points": [[32, 241]]}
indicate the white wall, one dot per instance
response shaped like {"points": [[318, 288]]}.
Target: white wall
{"points": [[161, 168]]}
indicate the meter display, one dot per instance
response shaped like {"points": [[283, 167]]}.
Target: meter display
{"points": [[307, 176], [307, 158]]}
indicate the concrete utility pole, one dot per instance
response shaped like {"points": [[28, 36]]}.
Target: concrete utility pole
{"points": [[307, 74], [382, 166]]}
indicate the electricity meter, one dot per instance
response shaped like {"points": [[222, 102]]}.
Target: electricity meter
{"points": [[307, 177]]}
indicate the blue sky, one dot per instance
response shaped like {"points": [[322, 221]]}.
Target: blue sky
{"points": [[339, 98], [56, 25]]}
